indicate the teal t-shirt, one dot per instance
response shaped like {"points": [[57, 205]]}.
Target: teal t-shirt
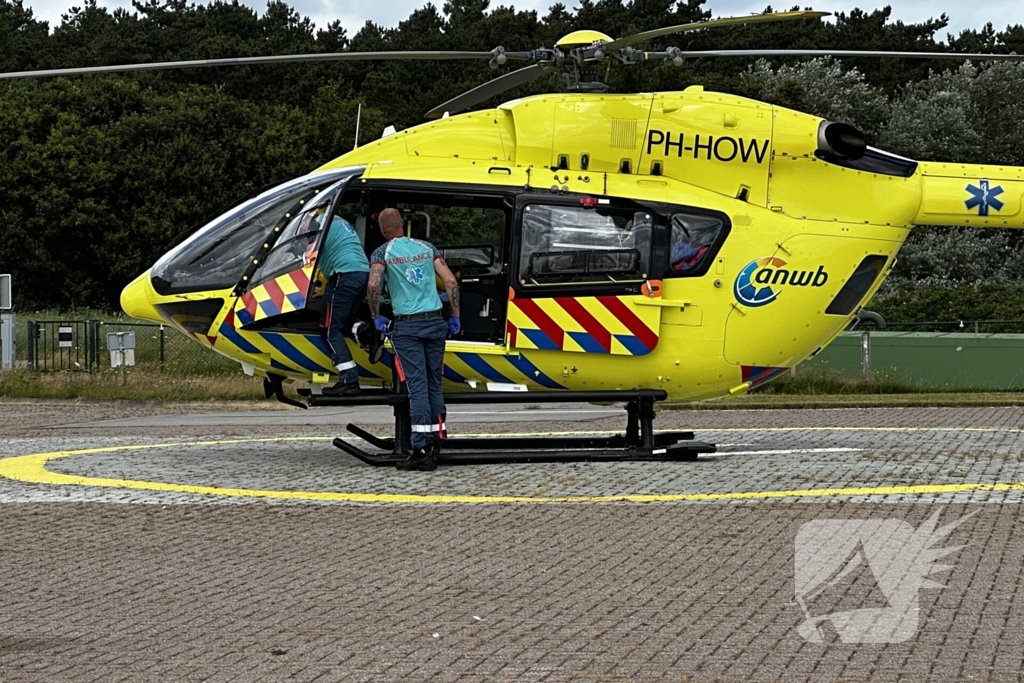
{"points": [[409, 269], [342, 252]]}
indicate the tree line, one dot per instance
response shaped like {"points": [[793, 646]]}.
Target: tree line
{"points": [[101, 174]]}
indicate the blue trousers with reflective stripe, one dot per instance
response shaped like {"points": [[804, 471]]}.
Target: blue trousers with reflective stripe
{"points": [[419, 345], [344, 292]]}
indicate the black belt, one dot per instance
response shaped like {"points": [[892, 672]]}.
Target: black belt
{"points": [[418, 316]]}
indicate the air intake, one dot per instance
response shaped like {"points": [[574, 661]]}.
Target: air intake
{"points": [[840, 141]]}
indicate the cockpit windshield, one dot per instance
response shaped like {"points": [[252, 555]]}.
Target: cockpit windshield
{"points": [[216, 256]]}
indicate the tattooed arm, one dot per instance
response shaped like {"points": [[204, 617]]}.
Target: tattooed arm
{"points": [[451, 285], [373, 289]]}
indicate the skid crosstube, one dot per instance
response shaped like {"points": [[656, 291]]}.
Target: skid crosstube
{"points": [[687, 451], [638, 443], [526, 443]]}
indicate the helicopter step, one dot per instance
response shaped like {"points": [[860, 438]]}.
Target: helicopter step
{"points": [[638, 443]]}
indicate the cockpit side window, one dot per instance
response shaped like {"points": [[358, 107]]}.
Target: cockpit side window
{"points": [[692, 241], [295, 248], [217, 255]]}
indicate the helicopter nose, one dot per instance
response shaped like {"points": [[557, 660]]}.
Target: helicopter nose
{"points": [[137, 298]]}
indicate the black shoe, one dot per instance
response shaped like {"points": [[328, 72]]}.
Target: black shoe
{"points": [[421, 460], [342, 389], [376, 346], [368, 336]]}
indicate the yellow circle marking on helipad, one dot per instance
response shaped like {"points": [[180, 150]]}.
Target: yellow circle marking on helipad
{"points": [[32, 469]]}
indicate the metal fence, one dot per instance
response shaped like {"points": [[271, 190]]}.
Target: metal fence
{"points": [[971, 326], [80, 345]]}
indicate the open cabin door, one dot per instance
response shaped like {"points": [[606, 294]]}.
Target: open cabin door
{"points": [[471, 228], [285, 288]]}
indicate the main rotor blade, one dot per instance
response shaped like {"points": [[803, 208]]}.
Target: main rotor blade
{"points": [[727, 21], [243, 61], [492, 88], [848, 53]]}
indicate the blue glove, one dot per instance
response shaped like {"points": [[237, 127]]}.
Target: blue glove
{"points": [[454, 325], [381, 323]]}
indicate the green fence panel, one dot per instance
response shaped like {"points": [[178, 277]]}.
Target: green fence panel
{"points": [[158, 348], [932, 360]]}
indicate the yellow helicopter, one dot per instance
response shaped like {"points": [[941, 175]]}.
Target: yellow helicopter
{"points": [[693, 242]]}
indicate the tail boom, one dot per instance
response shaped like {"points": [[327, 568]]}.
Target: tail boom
{"points": [[973, 195]]}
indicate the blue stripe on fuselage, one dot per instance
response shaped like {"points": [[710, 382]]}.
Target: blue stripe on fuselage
{"points": [[523, 365]]}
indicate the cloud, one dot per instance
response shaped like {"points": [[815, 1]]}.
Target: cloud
{"points": [[354, 14]]}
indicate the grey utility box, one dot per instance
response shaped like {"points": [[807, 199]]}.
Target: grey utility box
{"points": [[122, 349]]}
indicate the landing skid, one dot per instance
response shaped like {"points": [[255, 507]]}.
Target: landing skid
{"points": [[452, 454], [639, 443]]}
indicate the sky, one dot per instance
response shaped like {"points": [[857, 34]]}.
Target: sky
{"points": [[354, 13]]}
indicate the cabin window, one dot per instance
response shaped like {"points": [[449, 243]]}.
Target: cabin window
{"points": [[692, 241], [566, 244]]}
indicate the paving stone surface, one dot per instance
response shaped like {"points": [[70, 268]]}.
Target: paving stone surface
{"points": [[112, 584]]}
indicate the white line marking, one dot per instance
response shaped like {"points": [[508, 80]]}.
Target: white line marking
{"points": [[530, 410], [792, 451]]}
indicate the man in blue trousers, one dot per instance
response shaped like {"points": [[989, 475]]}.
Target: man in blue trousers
{"points": [[419, 328], [343, 262]]}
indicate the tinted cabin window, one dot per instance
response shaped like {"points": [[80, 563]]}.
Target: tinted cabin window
{"points": [[217, 255], [565, 244], [692, 238], [853, 292]]}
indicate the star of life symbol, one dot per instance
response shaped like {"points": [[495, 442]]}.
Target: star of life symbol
{"points": [[843, 563], [984, 197], [414, 274]]}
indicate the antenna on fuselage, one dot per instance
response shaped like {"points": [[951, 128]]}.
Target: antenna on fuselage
{"points": [[359, 115]]}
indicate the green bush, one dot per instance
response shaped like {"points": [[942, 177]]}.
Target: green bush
{"points": [[995, 301]]}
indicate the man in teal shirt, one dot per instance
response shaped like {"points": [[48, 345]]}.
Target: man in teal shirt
{"points": [[343, 262], [419, 329]]}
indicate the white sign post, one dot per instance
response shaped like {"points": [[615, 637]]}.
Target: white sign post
{"points": [[6, 324], [6, 341], [6, 302]]}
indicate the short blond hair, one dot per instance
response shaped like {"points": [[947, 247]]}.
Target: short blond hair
{"points": [[390, 221]]}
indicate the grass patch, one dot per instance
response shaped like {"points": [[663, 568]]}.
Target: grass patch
{"points": [[156, 349], [817, 381], [139, 386]]}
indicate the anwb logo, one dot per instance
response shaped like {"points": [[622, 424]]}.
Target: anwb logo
{"points": [[760, 282], [864, 576]]}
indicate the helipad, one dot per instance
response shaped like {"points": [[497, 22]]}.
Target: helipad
{"points": [[888, 463], [152, 543]]}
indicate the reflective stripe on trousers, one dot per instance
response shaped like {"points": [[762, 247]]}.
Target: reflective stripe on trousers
{"points": [[344, 292], [419, 345]]}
